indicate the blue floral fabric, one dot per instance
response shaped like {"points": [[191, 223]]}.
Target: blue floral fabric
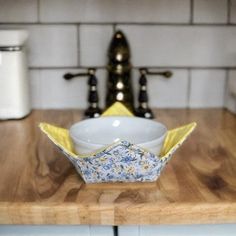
{"points": [[122, 162]]}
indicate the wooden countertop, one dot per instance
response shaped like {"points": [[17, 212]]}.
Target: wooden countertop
{"points": [[38, 185]]}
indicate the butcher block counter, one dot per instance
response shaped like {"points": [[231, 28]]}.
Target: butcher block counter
{"points": [[38, 185]]}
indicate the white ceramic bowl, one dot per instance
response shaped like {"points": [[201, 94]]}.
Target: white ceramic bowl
{"points": [[90, 135]]}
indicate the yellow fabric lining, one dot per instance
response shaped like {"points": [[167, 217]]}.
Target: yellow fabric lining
{"points": [[176, 137], [61, 138], [117, 109]]}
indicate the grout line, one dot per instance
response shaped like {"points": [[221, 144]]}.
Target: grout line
{"points": [[189, 87], [134, 67], [191, 11], [78, 45], [38, 11], [186, 67], [226, 87], [65, 67], [114, 28], [173, 24], [41, 89], [205, 67], [228, 11]]}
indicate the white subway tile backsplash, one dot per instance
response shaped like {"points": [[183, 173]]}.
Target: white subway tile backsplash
{"points": [[94, 42], [233, 11], [210, 11], [165, 11], [230, 102], [168, 93], [50, 90], [53, 46], [232, 82], [50, 45], [18, 11], [35, 88], [182, 46], [169, 41], [230, 94], [207, 88]]}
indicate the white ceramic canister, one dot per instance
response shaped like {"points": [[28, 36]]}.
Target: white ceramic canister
{"points": [[14, 80]]}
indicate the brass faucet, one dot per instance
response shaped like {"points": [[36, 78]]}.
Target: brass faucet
{"points": [[119, 83]]}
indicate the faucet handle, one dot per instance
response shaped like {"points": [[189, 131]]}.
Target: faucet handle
{"points": [[166, 74], [69, 76], [143, 109], [93, 110]]}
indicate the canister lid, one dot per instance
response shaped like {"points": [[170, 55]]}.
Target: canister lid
{"points": [[12, 38]]}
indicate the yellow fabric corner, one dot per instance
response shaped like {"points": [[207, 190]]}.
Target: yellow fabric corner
{"points": [[176, 137], [59, 136], [117, 109]]}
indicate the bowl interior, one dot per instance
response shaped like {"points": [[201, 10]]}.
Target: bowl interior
{"points": [[107, 130]]}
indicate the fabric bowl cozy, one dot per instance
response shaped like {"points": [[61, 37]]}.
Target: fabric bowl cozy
{"points": [[121, 161]]}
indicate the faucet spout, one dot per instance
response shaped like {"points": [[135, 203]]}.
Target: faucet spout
{"points": [[119, 84]]}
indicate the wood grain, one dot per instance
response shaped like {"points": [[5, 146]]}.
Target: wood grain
{"points": [[39, 186]]}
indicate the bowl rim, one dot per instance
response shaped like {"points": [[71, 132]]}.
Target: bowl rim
{"points": [[98, 145]]}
